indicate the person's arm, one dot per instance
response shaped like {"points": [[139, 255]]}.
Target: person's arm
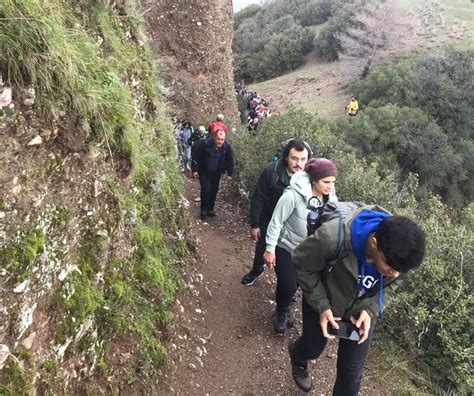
{"points": [[230, 161], [283, 210], [196, 156], [258, 199], [310, 261]]}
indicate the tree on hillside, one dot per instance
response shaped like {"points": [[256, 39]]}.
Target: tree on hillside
{"points": [[373, 30], [247, 12]]}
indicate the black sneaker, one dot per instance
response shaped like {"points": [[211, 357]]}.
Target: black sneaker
{"points": [[203, 214], [249, 278], [299, 373], [280, 322], [291, 319], [211, 213]]}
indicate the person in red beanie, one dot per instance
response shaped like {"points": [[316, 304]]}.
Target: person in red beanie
{"points": [[287, 229], [217, 125]]}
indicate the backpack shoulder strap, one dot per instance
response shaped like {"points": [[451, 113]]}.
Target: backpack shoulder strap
{"points": [[273, 178], [335, 255]]}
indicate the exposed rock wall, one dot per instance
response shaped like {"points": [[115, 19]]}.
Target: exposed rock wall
{"points": [[194, 40]]}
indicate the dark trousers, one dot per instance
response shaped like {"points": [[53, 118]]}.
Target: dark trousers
{"points": [[209, 185], [286, 279], [260, 248], [350, 355]]}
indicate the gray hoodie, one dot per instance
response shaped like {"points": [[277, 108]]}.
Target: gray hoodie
{"points": [[287, 228]]}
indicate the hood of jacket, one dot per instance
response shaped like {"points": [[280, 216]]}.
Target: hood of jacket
{"points": [[301, 184]]}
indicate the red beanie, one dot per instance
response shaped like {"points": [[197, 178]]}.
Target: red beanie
{"points": [[319, 168]]}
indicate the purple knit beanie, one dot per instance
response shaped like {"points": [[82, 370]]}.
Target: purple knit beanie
{"points": [[319, 168]]}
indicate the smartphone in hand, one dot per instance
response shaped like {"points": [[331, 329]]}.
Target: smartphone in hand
{"points": [[346, 330]]}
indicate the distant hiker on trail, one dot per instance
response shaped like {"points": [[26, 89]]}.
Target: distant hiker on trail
{"points": [[198, 134], [273, 180], [217, 125], [184, 137], [353, 106], [212, 157], [378, 249], [287, 229]]}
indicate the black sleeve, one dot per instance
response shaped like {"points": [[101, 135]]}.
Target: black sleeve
{"points": [[258, 198], [230, 161], [196, 154]]}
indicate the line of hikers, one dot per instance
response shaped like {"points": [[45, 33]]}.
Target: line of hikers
{"points": [[347, 258], [257, 108]]}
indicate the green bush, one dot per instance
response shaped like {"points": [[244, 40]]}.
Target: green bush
{"points": [[283, 52], [431, 315], [432, 120], [247, 12], [272, 39], [356, 180]]}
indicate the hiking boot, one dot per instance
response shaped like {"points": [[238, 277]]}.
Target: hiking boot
{"points": [[211, 213], [203, 214], [299, 373], [249, 278], [280, 322]]}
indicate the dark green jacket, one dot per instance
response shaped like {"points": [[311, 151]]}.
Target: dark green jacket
{"points": [[335, 285]]}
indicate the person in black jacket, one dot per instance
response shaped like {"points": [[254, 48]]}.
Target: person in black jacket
{"points": [[273, 180], [212, 157]]}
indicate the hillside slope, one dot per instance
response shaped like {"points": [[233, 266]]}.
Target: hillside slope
{"points": [[319, 86]]}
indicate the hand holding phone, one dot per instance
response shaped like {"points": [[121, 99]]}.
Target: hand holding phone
{"points": [[346, 330]]}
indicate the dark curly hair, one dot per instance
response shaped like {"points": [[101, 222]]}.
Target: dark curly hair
{"points": [[402, 242], [298, 145]]}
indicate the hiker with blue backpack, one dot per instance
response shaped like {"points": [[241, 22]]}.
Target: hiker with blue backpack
{"points": [[288, 228], [271, 183], [348, 270]]}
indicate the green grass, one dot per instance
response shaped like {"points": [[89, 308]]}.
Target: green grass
{"points": [[47, 44], [18, 259]]}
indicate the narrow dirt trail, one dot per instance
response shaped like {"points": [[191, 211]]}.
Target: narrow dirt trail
{"points": [[221, 340]]}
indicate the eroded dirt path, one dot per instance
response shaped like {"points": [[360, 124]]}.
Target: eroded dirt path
{"points": [[222, 340]]}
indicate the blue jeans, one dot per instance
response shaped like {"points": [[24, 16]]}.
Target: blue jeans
{"points": [[350, 355]]}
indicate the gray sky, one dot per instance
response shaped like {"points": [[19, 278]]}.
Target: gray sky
{"points": [[239, 4]]}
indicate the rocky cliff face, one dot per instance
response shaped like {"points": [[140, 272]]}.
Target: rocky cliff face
{"points": [[194, 39], [91, 215]]}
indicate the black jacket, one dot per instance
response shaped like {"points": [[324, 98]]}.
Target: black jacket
{"points": [[201, 157], [269, 188]]}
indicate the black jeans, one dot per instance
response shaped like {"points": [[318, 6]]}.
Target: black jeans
{"points": [[350, 355], [260, 248], [286, 279], [209, 186]]}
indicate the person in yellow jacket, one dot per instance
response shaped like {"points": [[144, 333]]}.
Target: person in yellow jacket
{"points": [[353, 106]]}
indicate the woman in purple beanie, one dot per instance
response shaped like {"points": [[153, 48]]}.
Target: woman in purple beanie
{"points": [[287, 229]]}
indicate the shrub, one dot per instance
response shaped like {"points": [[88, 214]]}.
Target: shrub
{"points": [[430, 314], [433, 120]]}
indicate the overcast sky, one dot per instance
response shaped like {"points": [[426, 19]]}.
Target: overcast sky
{"points": [[239, 4]]}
